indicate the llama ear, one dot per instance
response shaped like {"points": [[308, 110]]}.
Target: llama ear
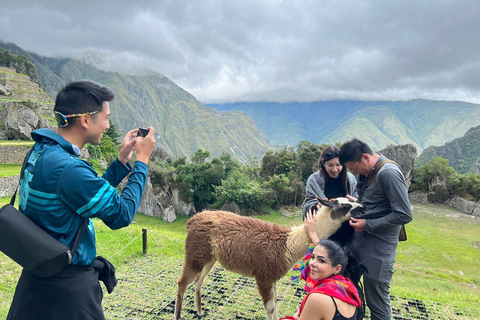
{"points": [[326, 203]]}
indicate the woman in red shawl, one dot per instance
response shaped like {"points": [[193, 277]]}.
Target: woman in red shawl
{"points": [[330, 296]]}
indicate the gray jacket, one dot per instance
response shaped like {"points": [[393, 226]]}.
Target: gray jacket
{"points": [[386, 208], [316, 188]]}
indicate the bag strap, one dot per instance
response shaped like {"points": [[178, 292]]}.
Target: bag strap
{"points": [[403, 233], [12, 200], [81, 228], [378, 167]]}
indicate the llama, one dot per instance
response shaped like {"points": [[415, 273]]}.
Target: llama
{"points": [[251, 247]]}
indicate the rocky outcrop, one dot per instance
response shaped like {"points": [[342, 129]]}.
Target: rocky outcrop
{"points": [[24, 106], [163, 204], [404, 155]]}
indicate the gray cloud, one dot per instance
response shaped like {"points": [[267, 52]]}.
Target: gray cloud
{"points": [[223, 51]]}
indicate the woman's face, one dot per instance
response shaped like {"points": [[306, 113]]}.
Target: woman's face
{"points": [[320, 265], [333, 167]]}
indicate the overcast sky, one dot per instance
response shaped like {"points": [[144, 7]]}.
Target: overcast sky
{"points": [[267, 50]]}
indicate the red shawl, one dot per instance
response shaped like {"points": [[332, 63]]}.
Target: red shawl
{"points": [[336, 286]]}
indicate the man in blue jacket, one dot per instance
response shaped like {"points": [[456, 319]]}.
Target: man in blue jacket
{"points": [[59, 191], [383, 192]]}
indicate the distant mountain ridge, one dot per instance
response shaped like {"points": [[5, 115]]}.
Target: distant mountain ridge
{"points": [[463, 154], [182, 123], [379, 123]]}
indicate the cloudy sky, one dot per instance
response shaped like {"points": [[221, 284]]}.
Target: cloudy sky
{"points": [[267, 50]]}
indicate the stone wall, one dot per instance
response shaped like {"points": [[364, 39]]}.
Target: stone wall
{"points": [[11, 154], [466, 206], [8, 185]]}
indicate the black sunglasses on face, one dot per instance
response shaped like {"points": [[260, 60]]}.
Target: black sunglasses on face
{"points": [[62, 118]]}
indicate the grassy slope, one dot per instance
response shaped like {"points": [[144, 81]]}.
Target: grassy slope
{"points": [[7, 170], [441, 242]]}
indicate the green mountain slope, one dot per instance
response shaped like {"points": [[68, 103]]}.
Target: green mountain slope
{"points": [[182, 123], [463, 153], [419, 122]]}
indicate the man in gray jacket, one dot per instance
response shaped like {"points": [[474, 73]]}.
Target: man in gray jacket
{"points": [[382, 191]]}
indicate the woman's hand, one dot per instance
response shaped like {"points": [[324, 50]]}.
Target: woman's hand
{"points": [[310, 224], [350, 198]]}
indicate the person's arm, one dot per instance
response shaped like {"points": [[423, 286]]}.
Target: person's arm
{"points": [[312, 191], [353, 187], [318, 307], [81, 189], [391, 180]]}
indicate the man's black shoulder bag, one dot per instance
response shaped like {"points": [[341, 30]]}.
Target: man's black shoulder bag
{"points": [[28, 245]]}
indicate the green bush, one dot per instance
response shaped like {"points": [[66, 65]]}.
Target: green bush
{"points": [[436, 169], [248, 194], [467, 186]]}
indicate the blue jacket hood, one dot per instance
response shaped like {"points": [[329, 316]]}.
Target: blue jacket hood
{"points": [[46, 135]]}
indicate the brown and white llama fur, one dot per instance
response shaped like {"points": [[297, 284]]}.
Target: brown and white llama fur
{"points": [[251, 247]]}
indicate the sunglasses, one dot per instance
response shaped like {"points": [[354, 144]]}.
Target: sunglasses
{"points": [[331, 154], [62, 118]]}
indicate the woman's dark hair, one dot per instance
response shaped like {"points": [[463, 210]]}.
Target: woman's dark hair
{"points": [[352, 268], [81, 97], [336, 253], [328, 154]]}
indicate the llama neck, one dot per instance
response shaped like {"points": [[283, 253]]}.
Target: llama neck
{"points": [[298, 239]]}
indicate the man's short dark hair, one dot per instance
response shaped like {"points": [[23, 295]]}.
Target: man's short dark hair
{"points": [[82, 97], [352, 151]]}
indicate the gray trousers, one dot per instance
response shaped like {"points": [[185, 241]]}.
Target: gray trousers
{"points": [[377, 296]]}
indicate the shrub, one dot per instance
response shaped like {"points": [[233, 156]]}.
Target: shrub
{"points": [[246, 193]]}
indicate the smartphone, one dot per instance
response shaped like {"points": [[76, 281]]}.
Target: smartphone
{"points": [[142, 132]]}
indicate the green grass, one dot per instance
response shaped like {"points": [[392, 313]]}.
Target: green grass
{"points": [[16, 143], [439, 261], [7, 170]]}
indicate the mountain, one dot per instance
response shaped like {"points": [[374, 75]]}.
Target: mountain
{"points": [[183, 125], [463, 154], [421, 123]]}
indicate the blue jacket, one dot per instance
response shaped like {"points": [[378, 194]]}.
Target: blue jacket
{"points": [[58, 191]]}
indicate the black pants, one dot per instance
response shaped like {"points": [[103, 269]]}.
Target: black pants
{"points": [[73, 294]]}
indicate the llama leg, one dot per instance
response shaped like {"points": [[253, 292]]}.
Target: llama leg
{"points": [[184, 281], [268, 292], [198, 286]]}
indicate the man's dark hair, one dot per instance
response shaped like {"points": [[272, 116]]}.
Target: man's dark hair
{"points": [[82, 97], [352, 151]]}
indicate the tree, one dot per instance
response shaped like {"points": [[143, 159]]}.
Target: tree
{"points": [[246, 193], [282, 162], [112, 132], [436, 170], [199, 156], [308, 155]]}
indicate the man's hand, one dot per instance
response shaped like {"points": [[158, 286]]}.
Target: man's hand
{"points": [[144, 146], [128, 146], [358, 224]]}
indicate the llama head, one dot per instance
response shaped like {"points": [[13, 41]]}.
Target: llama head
{"points": [[342, 208]]}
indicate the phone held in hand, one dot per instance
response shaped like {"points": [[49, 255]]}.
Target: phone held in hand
{"points": [[142, 132]]}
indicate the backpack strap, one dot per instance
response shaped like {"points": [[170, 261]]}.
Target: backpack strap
{"points": [[12, 200], [82, 226], [403, 233], [378, 166]]}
